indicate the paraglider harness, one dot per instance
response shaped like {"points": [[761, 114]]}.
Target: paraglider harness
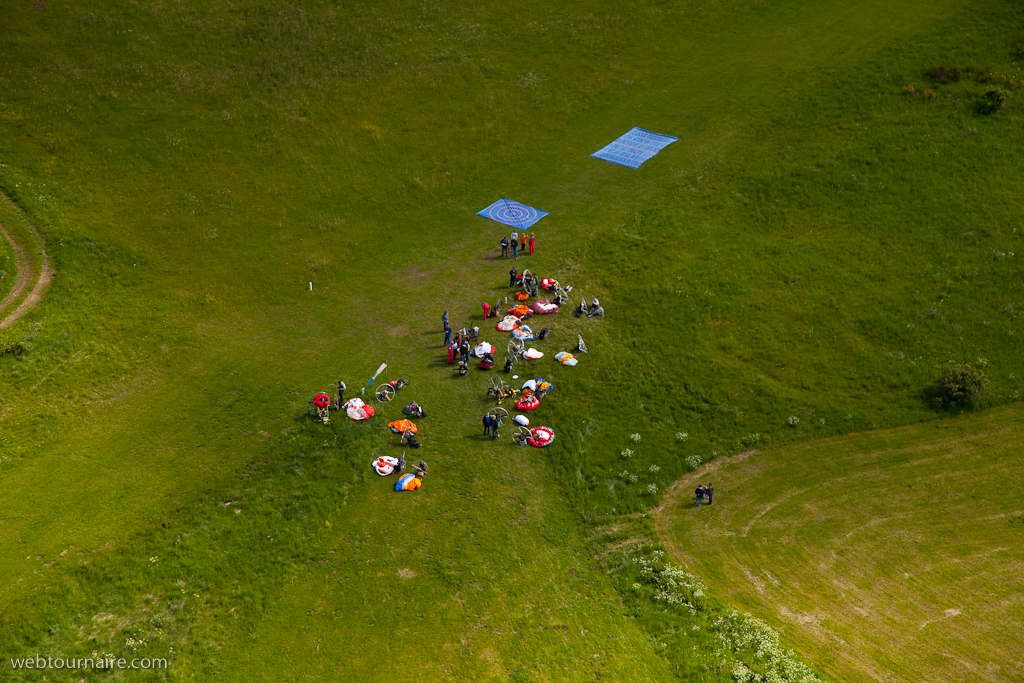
{"points": [[414, 409], [487, 362], [410, 439]]}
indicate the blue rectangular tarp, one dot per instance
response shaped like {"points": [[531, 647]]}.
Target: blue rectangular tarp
{"points": [[634, 148]]}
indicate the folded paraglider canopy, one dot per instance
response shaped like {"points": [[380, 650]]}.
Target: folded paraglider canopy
{"points": [[543, 307], [528, 401], [322, 400], [519, 311], [508, 323], [407, 482], [523, 333], [565, 358], [385, 465], [541, 437], [403, 426], [482, 348], [522, 296], [357, 410]]}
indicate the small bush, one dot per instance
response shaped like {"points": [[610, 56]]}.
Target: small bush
{"points": [[993, 100], [944, 73], [16, 340], [961, 386]]}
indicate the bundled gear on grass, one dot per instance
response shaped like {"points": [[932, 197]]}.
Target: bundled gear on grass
{"points": [[410, 440], [414, 409]]}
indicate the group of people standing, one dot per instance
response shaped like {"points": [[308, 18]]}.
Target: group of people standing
{"points": [[518, 242], [703, 492]]}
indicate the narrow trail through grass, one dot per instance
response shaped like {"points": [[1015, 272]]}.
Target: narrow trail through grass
{"points": [[31, 261]]}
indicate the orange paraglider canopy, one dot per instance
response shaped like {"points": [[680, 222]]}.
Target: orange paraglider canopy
{"points": [[403, 426]]}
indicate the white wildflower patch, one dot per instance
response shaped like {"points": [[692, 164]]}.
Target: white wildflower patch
{"points": [[652, 489], [735, 635], [635, 438], [653, 469], [793, 421], [627, 454], [694, 461], [681, 436]]}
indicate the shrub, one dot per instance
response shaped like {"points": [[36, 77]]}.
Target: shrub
{"points": [[944, 73], [960, 386], [993, 100], [16, 340]]}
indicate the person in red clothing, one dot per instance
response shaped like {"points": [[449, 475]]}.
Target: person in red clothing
{"points": [[533, 242], [487, 310]]}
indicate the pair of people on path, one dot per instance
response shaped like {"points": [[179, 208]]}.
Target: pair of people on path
{"points": [[703, 492]]}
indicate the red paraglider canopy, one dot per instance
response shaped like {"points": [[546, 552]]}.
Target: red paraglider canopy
{"points": [[322, 400]]}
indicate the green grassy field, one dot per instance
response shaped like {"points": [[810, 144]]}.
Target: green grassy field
{"points": [[819, 243], [887, 555]]}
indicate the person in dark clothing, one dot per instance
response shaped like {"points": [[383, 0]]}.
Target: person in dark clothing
{"points": [[447, 333], [464, 351], [341, 393], [709, 491], [444, 317], [504, 246], [488, 424], [512, 275], [700, 495]]}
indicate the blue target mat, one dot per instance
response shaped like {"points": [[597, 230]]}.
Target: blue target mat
{"points": [[512, 213], [634, 148]]}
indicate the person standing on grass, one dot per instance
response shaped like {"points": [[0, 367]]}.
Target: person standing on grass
{"points": [[709, 491], [515, 247], [533, 242], [522, 242], [447, 333], [504, 246], [341, 393], [700, 495], [512, 275], [465, 351], [444, 317]]}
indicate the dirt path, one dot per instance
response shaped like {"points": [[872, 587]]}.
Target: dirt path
{"points": [[24, 276], [680, 493]]}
